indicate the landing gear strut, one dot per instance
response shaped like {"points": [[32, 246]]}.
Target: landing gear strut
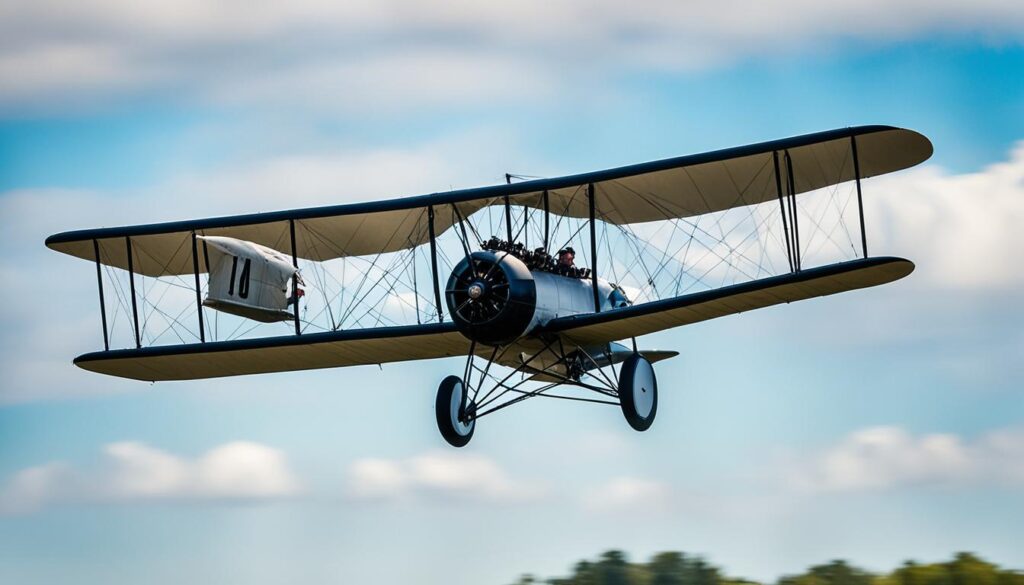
{"points": [[479, 392]]}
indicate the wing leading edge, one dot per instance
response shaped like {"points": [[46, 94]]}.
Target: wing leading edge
{"points": [[617, 324]]}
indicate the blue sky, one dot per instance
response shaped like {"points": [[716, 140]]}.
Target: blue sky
{"points": [[874, 426]]}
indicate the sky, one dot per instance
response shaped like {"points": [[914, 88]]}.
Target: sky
{"points": [[874, 426]]}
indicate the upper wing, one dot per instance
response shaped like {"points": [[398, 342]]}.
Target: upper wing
{"points": [[672, 188], [319, 233], [616, 324], [279, 354]]}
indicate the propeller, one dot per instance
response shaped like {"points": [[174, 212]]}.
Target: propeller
{"points": [[481, 291]]}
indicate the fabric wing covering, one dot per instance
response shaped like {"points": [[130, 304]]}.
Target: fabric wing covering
{"points": [[672, 188]]}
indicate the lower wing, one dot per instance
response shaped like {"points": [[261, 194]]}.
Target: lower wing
{"points": [[637, 320]]}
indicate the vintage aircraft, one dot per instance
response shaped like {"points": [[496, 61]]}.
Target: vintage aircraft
{"points": [[667, 243]]}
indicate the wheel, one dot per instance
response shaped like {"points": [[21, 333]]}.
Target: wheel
{"points": [[638, 392], [449, 401]]}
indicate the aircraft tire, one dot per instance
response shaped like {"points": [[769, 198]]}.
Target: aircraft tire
{"points": [[638, 392], [446, 407]]}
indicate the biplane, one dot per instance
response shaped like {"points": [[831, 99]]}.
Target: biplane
{"points": [[472, 273]]}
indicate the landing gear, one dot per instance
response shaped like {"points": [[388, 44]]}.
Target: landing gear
{"points": [[586, 374], [456, 426], [638, 392]]}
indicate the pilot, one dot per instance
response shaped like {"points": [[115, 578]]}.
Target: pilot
{"points": [[567, 257], [566, 261]]}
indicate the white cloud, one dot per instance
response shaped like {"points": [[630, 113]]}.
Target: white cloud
{"points": [[33, 488], [889, 457], [959, 311], [964, 230], [404, 54], [628, 494], [388, 83], [459, 476], [134, 472]]}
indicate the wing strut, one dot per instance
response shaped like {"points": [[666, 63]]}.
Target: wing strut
{"points": [[593, 249], [860, 200], [526, 227], [295, 278], [131, 280], [793, 217], [547, 221], [103, 304], [508, 220], [782, 206], [433, 263], [199, 295]]}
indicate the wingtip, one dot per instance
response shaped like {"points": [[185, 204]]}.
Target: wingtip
{"points": [[896, 267]]}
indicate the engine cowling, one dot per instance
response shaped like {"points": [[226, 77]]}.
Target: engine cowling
{"points": [[494, 300]]}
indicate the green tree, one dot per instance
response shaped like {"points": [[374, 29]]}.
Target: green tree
{"points": [[964, 569], [834, 573], [676, 568], [613, 569], [668, 568], [968, 569], [912, 573]]}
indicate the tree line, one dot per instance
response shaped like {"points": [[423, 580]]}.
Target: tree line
{"points": [[676, 568]]}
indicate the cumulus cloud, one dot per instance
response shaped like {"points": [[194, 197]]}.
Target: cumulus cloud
{"points": [[965, 228], [889, 457], [459, 476], [136, 472], [404, 54], [959, 311]]}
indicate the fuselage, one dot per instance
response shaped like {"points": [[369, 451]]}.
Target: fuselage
{"points": [[500, 299]]}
